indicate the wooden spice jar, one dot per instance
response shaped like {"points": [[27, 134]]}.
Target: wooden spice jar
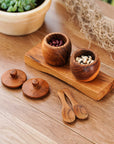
{"points": [[56, 48], [85, 72]]}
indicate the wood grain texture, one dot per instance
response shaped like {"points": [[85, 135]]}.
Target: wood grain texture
{"points": [[56, 56], [79, 110], [24, 124], [13, 78], [35, 88], [95, 89], [16, 131], [67, 112], [44, 115], [82, 72]]}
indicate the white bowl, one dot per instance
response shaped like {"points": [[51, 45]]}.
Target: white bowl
{"points": [[25, 22]]}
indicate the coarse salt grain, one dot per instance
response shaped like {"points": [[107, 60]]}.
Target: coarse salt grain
{"points": [[84, 59]]}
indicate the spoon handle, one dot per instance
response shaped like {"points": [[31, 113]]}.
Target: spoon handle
{"points": [[67, 112], [69, 95], [62, 98]]}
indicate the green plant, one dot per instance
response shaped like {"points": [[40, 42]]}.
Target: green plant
{"points": [[17, 5], [109, 1]]}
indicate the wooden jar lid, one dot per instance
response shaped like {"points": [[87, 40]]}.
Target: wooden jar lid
{"points": [[35, 88], [13, 78]]}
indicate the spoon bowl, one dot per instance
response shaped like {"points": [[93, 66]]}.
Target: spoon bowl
{"points": [[68, 114], [80, 111]]}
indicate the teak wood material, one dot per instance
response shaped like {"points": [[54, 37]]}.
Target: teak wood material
{"points": [[13, 78], [95, 89], [85, 72], [79, 110], [59, 55], [67, 112], [24, 120], [35, 88]]}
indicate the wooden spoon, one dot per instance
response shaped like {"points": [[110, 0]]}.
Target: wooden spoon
{"points": [[79, 110], [67, 113]]}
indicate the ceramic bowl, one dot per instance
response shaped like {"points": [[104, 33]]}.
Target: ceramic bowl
{"points": [[56, 55], [85, 72], [24, 22]]}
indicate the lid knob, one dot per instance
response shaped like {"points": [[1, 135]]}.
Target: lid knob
{"points": [[35, 83], [13, 73]]}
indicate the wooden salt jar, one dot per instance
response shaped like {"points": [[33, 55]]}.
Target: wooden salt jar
{"points": [[56, 53], [85, 72]]}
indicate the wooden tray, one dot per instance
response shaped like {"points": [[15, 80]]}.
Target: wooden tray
{"points": [[95, 89]]}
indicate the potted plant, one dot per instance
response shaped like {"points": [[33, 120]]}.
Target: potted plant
{"points": [[21, 17]]}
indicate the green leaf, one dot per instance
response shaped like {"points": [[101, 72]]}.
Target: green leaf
{"points": [[10, 8], [3, 6], [28, 7], [20, 9], [112, 3], [17, 5]]}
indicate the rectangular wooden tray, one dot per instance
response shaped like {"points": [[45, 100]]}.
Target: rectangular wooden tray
{"points": [[95, 89]]}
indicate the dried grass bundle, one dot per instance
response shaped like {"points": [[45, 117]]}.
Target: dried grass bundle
{"points": [[92, 22]]}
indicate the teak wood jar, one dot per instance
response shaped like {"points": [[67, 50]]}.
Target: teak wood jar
{"points": [[56, 55], [86, 72]]}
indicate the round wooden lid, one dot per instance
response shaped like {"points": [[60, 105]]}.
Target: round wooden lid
{"points": [[13, 78], [35, 88]]}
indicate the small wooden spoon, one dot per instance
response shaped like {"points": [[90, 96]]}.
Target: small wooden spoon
{"points": [[79, 110], [67, 113]]}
